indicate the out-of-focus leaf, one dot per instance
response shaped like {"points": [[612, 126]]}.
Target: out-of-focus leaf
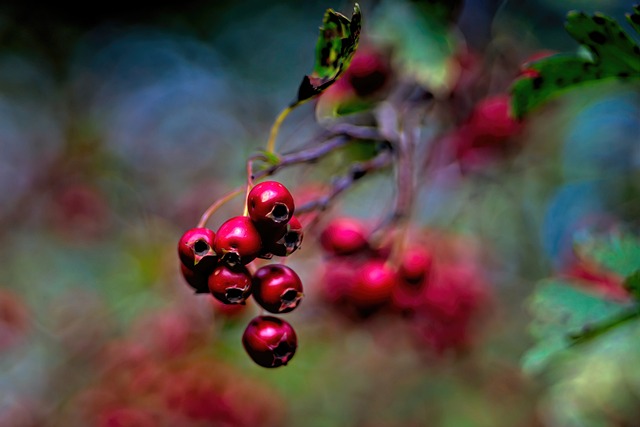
{"points": [[619, 253], [335, 47], [421, 40], [561, 313], [632, 284], [610, 54]]}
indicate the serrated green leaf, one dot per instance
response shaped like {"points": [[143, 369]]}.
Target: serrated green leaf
{"points": [[619, 253], [335, 47], [634, 18], [561, 313], [612, 54]]}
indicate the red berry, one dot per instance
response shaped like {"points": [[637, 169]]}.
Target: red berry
{"points": [[277, 288], [237, 241], [344, 236], [198, 281], [373, 287], [270, 341], [270, 204], [368, 72], [195, 249], [288, 242], [415, 264], [230, 285], [491, 118]]}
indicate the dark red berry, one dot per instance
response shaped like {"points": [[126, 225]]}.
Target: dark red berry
{"points": [[373, 287], [270, 341], [270, 204], [230, 285], [368, 72], [344, 236], [195, 249], [287, 242], [277, 288], [237, 241], [198, 281]]}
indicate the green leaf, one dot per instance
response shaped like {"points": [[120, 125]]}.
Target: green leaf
{"points": [[561, 313], [619, 253], [632, 284], [335, 47], [421, 39], [609, 54]]}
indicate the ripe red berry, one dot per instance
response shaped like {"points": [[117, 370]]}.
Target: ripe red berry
{"points": [[277, 288], [373, 287], [197, 280], [344, 236], [492, 119], [270, 204], [415, 264], [368, 72], [287, 242], [237, 241], [195, 249], [230, 285], [270, 341]]}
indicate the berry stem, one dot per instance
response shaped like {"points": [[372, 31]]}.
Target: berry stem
{"points": [[275, 128], [217, 205]]}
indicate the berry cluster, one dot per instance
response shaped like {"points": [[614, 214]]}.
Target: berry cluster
{"points": [[441, 298], [217, 263]]}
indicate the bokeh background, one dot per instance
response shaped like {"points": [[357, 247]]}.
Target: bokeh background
{"points": [[121, 122]]}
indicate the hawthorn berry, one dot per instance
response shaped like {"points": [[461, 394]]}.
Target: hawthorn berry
{"points": [[198, 281], [344, 236], [270, 341], [277, 288], [237, 241], [368, 72], [230, 285], [195, 249], [288, 241], [270, 204], [373, 286], [415, 264]]}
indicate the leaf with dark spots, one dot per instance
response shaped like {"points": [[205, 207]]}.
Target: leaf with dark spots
{"points": [[612, 54], [337, 42]]}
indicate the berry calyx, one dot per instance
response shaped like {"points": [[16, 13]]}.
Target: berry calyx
{"points": [[237, 241], [230, 285], [277, 288], [344, 236], [289, 242], [269, 341], [270, 204], [195, 249]]}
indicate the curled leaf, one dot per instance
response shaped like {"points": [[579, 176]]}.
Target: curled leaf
{"points": [[335, 47]]}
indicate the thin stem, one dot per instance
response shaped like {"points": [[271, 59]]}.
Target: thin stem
{"points": [[340, 184], [590, 332], [250, 179], [217, 204], [275, 128]]}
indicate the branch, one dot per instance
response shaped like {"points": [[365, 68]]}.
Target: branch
{"points": [[329, 141], [340, 184]]}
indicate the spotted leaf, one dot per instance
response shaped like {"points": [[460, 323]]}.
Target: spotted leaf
{"points": [[610, 53], [335, 47]]}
